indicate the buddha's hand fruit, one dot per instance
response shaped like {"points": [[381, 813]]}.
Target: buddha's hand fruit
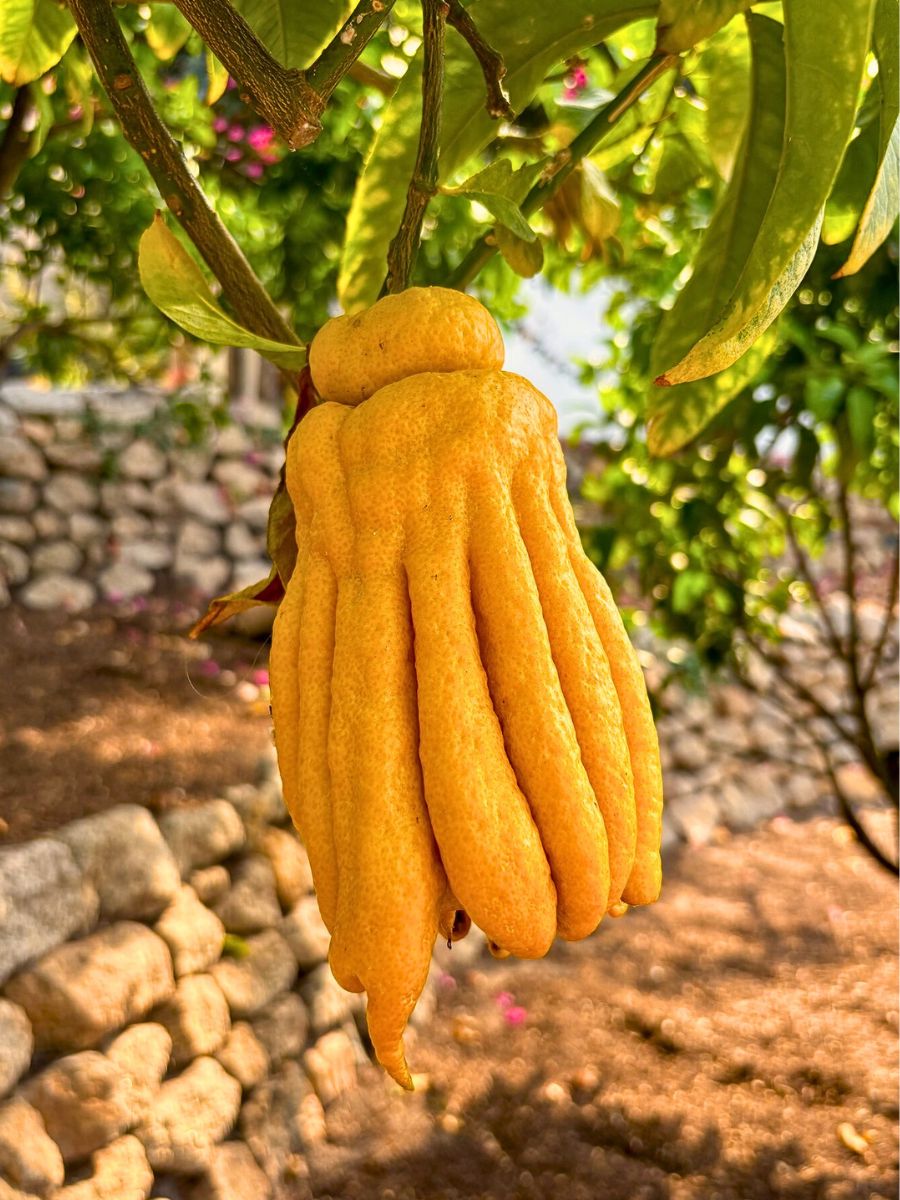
{"points": [[460, 719]]}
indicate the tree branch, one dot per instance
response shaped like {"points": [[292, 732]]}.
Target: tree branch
{"points": [[16, 139], [281, 96], [147, 134], [490, 60], [805, 569], [849, 814], [423, 185], [291, 100], [593, 133], [346, 46], [887, 624]]}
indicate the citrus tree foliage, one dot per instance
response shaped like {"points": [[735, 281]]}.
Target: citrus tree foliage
{"points": [[735, 125]]}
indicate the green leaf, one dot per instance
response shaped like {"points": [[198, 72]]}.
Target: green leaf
{"points": [[217, 78], [176, 285], [726, 63], [531, 39], [684, 411], [880, 212], [861, 419], [729, 239], [34, 35], [684, 23], [688, 589], [818, 123], [294, 33], [601, 214], [500, 189], [854, 182], [525, 257], [167, 31]]}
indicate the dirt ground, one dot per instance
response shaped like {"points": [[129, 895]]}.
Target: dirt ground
{"points": [[105, 709], [736, 1042]]}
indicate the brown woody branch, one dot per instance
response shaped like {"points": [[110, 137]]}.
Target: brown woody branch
{"points": [[490, 60], [182, 194], [280, 95], [16, 139], [291, 100], [423, 185]]}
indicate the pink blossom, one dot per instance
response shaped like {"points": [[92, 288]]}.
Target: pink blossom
{"points": [[231, 84], [232, 154], [260, 677], [220, 124], [504, 1000], [254, 170], [235, 133], [261, 137], [446, 981], [515, 1015], [208, 668]]}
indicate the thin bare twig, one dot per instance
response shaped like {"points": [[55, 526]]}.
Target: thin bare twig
{"points": [[490, 60], [849, 814], [145, 131], [346, 46], [805, 569], [423, 185], [780, 663]]}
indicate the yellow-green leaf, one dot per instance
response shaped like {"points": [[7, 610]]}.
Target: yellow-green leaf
{"points": [[34, 35], [216, 78], [176, 285], [525, 257], [880, 212], [680, 413], [684, 23], [294, 33], [500, 190], [729, 240], [824, 40]]}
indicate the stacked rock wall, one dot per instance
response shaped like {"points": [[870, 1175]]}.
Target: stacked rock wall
{"points": [[168, 1021], [107, 497]]}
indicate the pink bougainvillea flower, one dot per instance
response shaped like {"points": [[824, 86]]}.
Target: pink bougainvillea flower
{"points": [[236, 133], [232, 154], [516, 1015], [260, 677], [254, 170], [220, 124], [261, 137], [504, 1000]]}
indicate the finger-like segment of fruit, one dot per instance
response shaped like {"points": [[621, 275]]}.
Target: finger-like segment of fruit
{"points": [[584, 674], [487, 838], [537, 728], [312, 809], [645, 881], [422, 329], [392, 881]]}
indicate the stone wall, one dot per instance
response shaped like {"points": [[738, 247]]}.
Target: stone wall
{"points": [[168, 1020], [104, 496]]}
